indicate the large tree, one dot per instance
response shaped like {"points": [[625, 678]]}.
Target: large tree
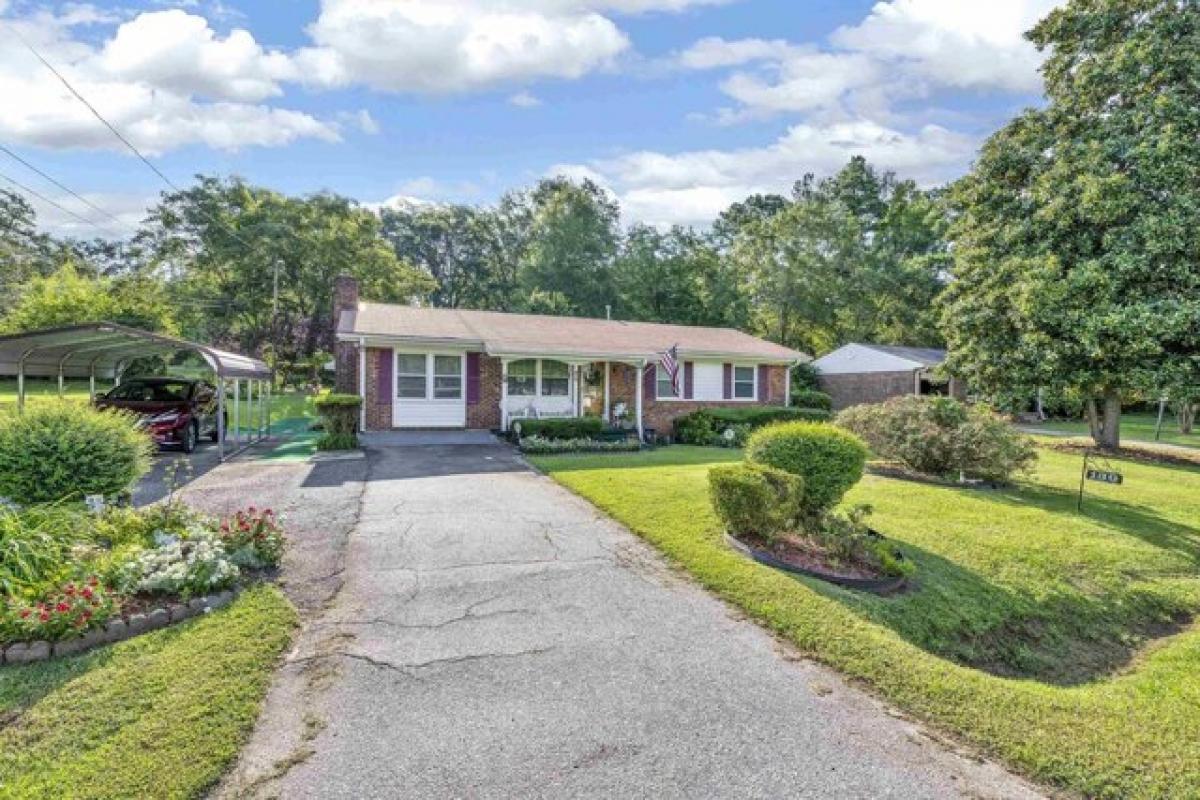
{"points": [[572, 236], [254, 268], [1077, 253], [67, 297]]}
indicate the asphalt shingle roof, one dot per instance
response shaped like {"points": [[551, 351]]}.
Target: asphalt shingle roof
{"points": [[519, 334]]}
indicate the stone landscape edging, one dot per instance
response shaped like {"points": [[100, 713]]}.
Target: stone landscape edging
{"points": [[872, 585], [116, 629]]}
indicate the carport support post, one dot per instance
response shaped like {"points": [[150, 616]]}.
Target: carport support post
{"points": [[249, 407], [237, 412], [221, 418], [92, 381]]}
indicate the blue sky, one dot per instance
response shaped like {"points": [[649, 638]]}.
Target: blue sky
{"points": [[677, 106]]}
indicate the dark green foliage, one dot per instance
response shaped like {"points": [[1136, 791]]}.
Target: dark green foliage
{"points": [[339, 416], [63, 450], [756, 500], [33, 547], [568, 428], [940, 436], [811, 398], [708, 425], [829, 459]]}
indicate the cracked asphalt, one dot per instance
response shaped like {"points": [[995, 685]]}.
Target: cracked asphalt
{"points": [[495, 636]]}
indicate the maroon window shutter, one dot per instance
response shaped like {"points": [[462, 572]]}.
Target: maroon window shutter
{"points": [[473, 377], [383, 388], [764, 389], [650, 382], [727, 382], [689, 377]]}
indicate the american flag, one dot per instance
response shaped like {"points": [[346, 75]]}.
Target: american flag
{"points": [[670, 365]]}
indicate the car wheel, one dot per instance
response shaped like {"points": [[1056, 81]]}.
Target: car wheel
{"points": [[189, 438]]}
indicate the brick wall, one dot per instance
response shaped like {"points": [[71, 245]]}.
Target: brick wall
{"points": [[485, 414], [661, 414], [866, 387], [379, 414]]}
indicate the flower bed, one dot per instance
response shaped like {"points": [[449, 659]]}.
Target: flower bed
{"points": [[70, 580], [540, 445]]}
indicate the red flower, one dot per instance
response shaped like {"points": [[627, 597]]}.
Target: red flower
{"points": [[44, 616], [25, 612], [70, 589], [87, 592]]}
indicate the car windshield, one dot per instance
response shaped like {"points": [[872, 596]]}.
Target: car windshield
{"points": [[151, 391]]}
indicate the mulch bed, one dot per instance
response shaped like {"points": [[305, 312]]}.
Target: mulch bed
{"points": [[1141, 453], [801, 557]]}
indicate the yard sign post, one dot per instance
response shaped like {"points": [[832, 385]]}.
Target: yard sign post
{"points": [[1100, 471]]}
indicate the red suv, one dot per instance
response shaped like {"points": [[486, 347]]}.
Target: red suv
{"points": [[176, 411]]}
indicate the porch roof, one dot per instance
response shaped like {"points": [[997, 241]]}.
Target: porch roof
{"points": [[502, 333]]}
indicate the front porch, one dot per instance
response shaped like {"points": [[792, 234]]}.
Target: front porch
{"points": [[554, 387]]}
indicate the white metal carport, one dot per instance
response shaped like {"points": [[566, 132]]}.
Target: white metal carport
{"points": [[105, 349]]}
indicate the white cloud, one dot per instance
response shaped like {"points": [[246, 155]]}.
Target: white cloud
{"points": [[456, 45], [693, 187], [178, 51], [361, 120], [952, 43], [151, 80], [524, 100], [903, 48]]}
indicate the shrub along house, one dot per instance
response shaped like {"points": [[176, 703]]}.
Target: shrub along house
{"points": [[871, 373], [420, 367]]}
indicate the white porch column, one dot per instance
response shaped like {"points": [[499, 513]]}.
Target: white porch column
{"points": [[787, 387], [504, 394], [362, 384], [641, 377], [578, 394], [607, 412]]}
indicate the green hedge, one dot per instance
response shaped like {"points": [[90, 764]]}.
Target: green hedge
{"points": [[708, 425], [540, 445], [811, 398], [829, 459], [339, 419], [568, 428]]}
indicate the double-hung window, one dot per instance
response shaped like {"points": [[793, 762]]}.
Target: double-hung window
{"points": [[664, 388], [447, 377], [522, 378], [556, 379], [411, 376], [743, 383]]}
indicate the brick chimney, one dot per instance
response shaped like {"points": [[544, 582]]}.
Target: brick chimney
{"points": [[345, 295], [345, 298]]}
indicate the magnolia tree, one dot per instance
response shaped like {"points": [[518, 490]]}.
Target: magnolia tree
{"points": [[1077, 253]]}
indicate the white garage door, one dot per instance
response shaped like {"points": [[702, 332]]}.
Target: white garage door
{"points": [[431, 390]]}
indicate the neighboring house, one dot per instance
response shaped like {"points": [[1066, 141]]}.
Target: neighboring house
{"points": [[871, 373], [456, 368]]}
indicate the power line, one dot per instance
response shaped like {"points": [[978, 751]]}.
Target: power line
{"points": [[65, 188], [48, 201]]}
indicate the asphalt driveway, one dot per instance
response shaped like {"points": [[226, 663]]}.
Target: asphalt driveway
{"points": [[495, 636]]}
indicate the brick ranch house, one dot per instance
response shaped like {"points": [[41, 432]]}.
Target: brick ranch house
{"points": [[453, 368], [871, 373]]}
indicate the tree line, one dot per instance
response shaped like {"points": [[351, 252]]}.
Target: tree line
{"points": [[859, 255]]}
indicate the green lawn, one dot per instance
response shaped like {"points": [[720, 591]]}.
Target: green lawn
{"points": [[1059, 642], [1134, 428], [158, 716]]}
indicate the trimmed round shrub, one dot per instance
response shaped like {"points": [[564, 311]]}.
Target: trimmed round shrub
{"points": [[61, 450], [752, 499], [811, 398], [830, 460]]}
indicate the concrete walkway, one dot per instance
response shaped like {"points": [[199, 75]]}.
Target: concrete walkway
{"points": [[496, 637]]}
